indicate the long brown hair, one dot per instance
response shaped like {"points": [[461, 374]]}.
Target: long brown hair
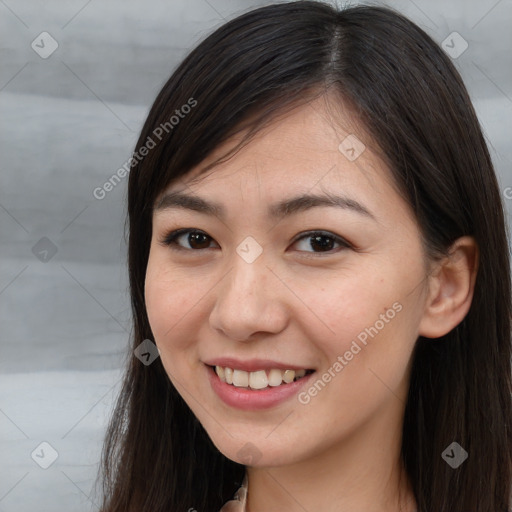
{"points": [[157, 457]]}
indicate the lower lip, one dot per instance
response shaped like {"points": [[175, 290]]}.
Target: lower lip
{"points": [[254, 399]]}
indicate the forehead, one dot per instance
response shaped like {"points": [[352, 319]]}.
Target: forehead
{"points": [[317, 144]]}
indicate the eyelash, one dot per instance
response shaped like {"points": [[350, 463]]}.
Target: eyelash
{"points": [[169, 240]]}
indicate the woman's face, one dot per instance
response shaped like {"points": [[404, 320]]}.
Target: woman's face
{"points": [[335, 283]]}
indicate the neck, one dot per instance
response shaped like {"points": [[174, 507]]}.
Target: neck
{"points": [[362, 472]]}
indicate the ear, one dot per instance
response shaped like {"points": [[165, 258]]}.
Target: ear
{"points": [[451, 288]]}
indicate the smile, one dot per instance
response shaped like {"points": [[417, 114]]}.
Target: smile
{"points": [[258, 389], [260, 379]]}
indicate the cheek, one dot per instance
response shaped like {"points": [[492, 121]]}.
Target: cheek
{"points": [[367, 317], [346, 305], [171, 303]]}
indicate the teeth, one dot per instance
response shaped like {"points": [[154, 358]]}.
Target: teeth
{"points": [[259, 379], [240, 379], [288, 376], [275, 377], [221, 373], [228, 375]]}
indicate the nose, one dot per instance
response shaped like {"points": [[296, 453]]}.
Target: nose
{"points": [[250, 300]]}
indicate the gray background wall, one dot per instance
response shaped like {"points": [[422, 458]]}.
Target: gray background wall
{"points": [[67, 123]]}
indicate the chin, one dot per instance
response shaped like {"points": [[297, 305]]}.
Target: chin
{"points": [[257, 452]]}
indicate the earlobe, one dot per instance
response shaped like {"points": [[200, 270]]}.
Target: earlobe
{"points": [[451, 289]]}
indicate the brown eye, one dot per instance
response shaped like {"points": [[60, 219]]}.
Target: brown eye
{"points": [[195, 239], [321, 241]]}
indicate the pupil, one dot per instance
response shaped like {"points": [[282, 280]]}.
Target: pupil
{"points": [[326, 245], [194, 238]]}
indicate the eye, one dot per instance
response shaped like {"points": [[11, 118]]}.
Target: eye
{"points": [[323, 241], [196, 239], [319, 241]]}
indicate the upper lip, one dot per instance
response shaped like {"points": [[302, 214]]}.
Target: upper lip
{"points": [[252, 365]]}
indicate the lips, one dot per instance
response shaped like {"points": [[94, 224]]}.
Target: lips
{"points": [[256, 383]]}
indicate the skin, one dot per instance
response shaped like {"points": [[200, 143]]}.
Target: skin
{"points": [[297, 304]]}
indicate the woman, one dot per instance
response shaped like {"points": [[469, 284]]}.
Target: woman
{"points": [[317, 247]]}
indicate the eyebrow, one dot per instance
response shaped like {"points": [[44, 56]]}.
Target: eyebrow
{"points": [[278, 210]]}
